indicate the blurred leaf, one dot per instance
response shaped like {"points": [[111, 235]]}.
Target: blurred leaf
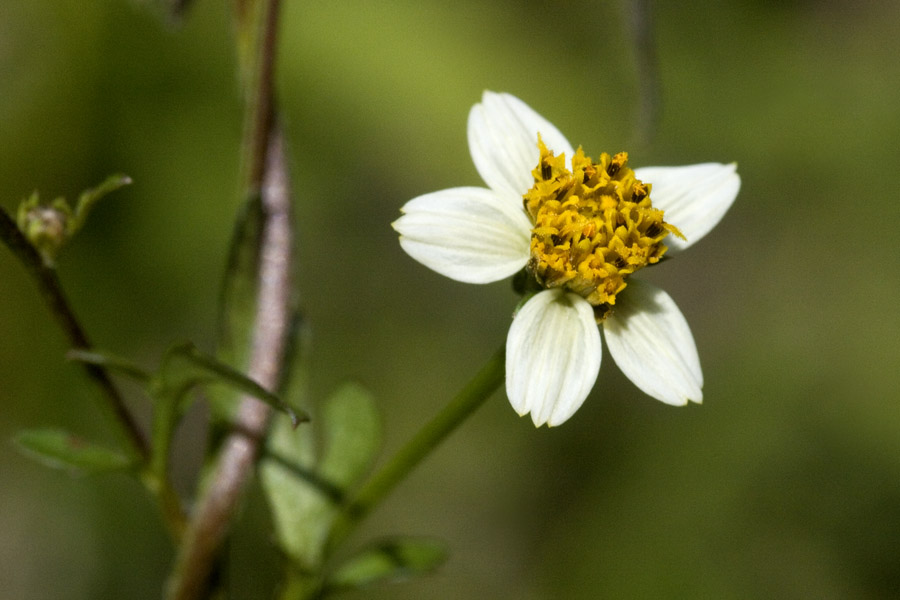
{"points": [[392, 559], [351, 435], [185, 367], [89, 198], [109, 362], [301, 502], [178, 8], [237, 300], [62, 450], [171, 11], [304, 494], [302, 510]]}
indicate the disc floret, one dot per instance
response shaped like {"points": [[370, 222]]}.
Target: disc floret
{"points": [[593, 226]]}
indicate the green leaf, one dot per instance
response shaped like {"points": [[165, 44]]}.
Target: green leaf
{"points": [[110, 362], [237, 301], [62, 450], [304, 494], [302, 509], [185, 367], [351, 435], [89, 198], [392, 559]]}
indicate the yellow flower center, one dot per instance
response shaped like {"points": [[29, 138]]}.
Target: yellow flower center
{"points": [[593, 226]]}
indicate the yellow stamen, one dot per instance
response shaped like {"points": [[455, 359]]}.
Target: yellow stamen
{"points": [[593, 226]]}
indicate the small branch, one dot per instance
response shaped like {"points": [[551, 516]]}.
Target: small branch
{"points": [[272, 324], [51, 290]]}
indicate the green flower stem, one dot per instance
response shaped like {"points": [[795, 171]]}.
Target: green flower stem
{"points": [[476, 392], [52, 292]]}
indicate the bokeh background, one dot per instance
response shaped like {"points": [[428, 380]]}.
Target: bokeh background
{"points": [[784, 484]]}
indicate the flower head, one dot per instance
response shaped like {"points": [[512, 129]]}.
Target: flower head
{"points": [[579, 229]]}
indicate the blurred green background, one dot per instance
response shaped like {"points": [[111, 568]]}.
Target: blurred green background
{"points": [[784, 484]]}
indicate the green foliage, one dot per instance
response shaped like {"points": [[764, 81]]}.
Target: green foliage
{"points": [[50, 227], [351, 435], [305, 494], [237, 299], [389, 560], [62, 450], [183, 369], [112, 363]]}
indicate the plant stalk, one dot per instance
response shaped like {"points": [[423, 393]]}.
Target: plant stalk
{"points": [[469, 399]]}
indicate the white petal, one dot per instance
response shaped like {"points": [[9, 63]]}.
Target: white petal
{"points": [[694, 198], [553, 356], [503, 137], [468, 234], [651, 342]]}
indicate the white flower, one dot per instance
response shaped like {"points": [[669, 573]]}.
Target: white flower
{"points": [[580, 229]]}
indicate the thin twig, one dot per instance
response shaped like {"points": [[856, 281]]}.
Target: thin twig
{"points": [[214, 512], [52, 292]]}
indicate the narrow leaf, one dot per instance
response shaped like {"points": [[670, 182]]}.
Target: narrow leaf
{"points": [[305, 494], [237, 302], [185, 366], [89, 198], [390, 560], [110, 362], [62, 450]]}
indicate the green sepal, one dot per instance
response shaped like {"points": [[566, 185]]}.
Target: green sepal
{"points": [[62, 450], [50, 227], [389, 560], [524, 283], [522, 302], [45, 227], [305, 495]]}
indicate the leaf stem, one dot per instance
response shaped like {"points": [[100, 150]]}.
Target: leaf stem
{"points": [[469, 399]]}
